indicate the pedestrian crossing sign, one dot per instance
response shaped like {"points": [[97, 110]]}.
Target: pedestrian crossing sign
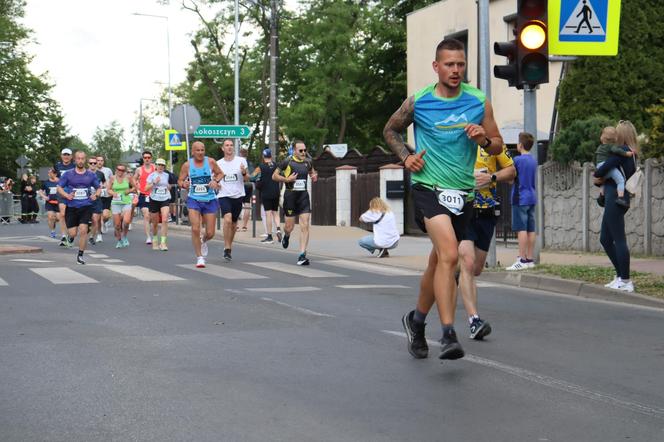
{"points": [[173, 140], [584, 27]]}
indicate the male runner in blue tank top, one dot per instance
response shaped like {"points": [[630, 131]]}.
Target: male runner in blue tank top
{"points": [[450, 119], [200, 176]]}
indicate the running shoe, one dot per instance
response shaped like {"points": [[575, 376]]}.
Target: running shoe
{"points": [[148, 240], [125, 241], [79, 260], [279, 236], [204, 249], [155, 246], [284, 242], [519, 264], [613, 281], [417, 343], [227, 255], [450, 347], [63, 241], [129, 228], [530, 264], [163, 247], [479, 329], [624, 286], [302, 260], [70, 243], [119, 244], [383, 253], [92, 241], [200, 262], [267, 240], [104, 226], [99, 238], [52, 234]]}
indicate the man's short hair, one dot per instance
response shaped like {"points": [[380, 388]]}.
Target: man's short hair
{"points": [[227, 139], [146, 152], [526, 140], [450, 44], [295, 142]]}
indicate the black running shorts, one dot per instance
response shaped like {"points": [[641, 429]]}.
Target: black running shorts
{"points": [[427, 206], [75, 216], [296, 202]]}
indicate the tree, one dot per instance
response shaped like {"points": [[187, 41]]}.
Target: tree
{"points": [[579, 140], [654, 146], [108, 142], [620, 87]]}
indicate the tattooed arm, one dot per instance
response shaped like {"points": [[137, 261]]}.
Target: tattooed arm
{"points": [[396, 125]]}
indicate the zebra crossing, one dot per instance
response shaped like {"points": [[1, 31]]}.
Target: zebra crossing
{"points": [[104, 269]]}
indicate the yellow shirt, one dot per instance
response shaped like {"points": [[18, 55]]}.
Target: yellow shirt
{"points": [[486, 197]]}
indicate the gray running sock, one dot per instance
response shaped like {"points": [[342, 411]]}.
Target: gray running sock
{"points": [[419, 316]]}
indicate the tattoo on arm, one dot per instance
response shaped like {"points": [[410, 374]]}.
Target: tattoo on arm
{"points": [[396, 125]]}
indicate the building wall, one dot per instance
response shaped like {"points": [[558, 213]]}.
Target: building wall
{"points": [[426, 27]]}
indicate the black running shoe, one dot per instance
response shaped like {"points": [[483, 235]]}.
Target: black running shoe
{"points": [[279, 237], [227, 255], [92, 241], [284, 242], [302, 260], [479, 329], [63, 241], [267, 240], [79, 260], [417, 343], [450, 347]]}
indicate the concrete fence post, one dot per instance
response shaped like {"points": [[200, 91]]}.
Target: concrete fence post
{"points": [[585, 207], [393, 172], [343, 174]]}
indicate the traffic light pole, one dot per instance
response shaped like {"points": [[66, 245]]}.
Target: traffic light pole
{"points": [[530, 126]]}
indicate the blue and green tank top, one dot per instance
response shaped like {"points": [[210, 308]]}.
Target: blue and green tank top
{"points": [[200, 178], [439, 129]]}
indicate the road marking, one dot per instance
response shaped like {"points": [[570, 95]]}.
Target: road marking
{"points": [[482, 284], [112, 261], [225, 272], [26, 238], [63, 275], [142, 273], [372, 268], [3, 282], [97, 255], [558, 384], [30, 260], [296, 270], [372, 286], [283, 289], [299, 309]]}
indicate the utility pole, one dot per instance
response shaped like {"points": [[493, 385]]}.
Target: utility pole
{"points": [[274, 58]]}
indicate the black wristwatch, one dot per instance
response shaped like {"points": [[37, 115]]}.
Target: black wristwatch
{"points": [[487, 143], [494, 178]]}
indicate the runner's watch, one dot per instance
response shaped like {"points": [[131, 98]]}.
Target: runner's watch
{"points": [[487, 143], [494, 178]]}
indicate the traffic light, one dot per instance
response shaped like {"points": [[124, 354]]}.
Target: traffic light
{"points": [[527, 55], [533, 52], [509, 71]]}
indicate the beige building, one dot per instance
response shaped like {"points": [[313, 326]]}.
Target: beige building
{"points": [[426, 27]]}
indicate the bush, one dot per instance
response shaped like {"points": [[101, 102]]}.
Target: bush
{"points": [[579, 140], [654, 147]]}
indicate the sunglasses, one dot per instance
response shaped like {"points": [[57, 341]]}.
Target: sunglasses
{"points": [[92, 164], [301, 150], [121, 170], [147, 158]]}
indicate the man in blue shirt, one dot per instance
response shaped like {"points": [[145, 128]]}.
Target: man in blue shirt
{"points": [[524, 198], [79, 188]]}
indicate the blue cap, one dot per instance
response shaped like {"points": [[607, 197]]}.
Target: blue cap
{"points": [[267, 153]]}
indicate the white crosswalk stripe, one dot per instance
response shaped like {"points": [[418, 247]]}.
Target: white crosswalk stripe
{"points": [[63, 275], [3, 282], [282, 289], [142, 273], [295, 270], [224, 272], [371, 268]]}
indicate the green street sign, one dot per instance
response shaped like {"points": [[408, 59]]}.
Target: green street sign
{"points": [[216, 131]]}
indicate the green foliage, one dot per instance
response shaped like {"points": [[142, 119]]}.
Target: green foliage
{"points": [[579, 140], [620, 87], [108, 141], [654, 147], [31, 122]]}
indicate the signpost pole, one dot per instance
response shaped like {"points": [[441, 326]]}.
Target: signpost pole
{"points": [[530, 126], [186, 129]]}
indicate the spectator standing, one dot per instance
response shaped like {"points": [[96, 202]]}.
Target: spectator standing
{"points": [[524, 198]]}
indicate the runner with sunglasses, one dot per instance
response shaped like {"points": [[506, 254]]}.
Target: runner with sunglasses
{"points": [[120, 187], [97, 206], [293, 171], [141, 176]]}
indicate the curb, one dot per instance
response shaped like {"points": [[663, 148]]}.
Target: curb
{"points": [[16, 249], [569, 287], [516, 279]]}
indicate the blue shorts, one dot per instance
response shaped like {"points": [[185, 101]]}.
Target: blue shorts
{"points": [[97, 206], [142, 203], [480, 230], [523, 218], [203, 207], [232, 206]]}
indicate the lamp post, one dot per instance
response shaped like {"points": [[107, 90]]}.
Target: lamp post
{"points": [[168, 52]]}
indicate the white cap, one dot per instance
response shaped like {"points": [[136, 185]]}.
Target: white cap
{"points": [[65, 150]]}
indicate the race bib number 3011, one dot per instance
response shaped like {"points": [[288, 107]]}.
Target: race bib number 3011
{"points": [[453, 200]]}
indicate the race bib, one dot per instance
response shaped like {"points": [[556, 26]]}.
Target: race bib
{"points": [[53, 191], [161, 191], [117, 197], [200, 189], [454, 200], [300, 184], [230, 178], [147, 198], [104, 192], [81, 194]]}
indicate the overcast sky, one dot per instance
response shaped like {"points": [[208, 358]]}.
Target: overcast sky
{"points": [[103, 60]]}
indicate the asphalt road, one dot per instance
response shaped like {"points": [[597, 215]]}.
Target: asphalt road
{"points": [[140, 345]]}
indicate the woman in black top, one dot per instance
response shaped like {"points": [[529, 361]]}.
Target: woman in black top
{"points": [[612, 234], [29, 206]]}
